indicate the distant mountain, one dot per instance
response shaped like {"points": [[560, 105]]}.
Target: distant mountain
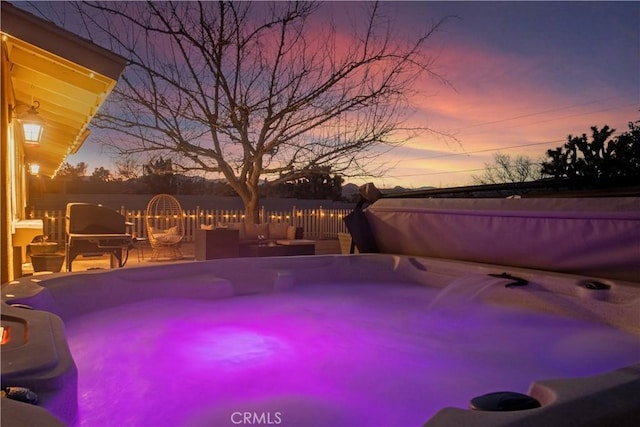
{"points": [[350, 191], [398, 189]]}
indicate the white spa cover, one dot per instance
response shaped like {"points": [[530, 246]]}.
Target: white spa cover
{"points": [[588, 236]]}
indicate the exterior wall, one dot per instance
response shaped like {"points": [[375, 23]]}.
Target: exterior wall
{"points": [[6, 250], [46, 46], [14, 175]]}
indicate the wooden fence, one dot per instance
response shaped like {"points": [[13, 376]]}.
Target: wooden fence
{"points": [[317, 223]]}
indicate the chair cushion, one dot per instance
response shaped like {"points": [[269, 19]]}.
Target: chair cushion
{"points": [[170, 235], [252, 231], [168, 238], [278, 230]]}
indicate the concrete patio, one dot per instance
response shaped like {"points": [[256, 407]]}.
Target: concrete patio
{"points": [[141, 256]]}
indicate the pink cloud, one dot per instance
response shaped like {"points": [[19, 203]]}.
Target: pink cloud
{"points": [[506, 99]]}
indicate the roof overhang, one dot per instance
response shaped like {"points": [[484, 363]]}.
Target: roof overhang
{"points": [[69, 76]]}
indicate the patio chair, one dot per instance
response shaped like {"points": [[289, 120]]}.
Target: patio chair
{"points": [[164, 221]]}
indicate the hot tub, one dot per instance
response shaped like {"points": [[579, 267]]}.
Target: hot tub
{"points": [[345, 340]]}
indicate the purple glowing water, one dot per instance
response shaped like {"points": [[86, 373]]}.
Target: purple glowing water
{"points": [[327, 355]]}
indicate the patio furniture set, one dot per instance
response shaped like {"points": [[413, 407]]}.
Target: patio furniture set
{"points": [[165, 228], [251, 240], [97, 230]]}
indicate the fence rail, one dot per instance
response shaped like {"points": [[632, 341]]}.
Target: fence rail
{"points": [[317, 223]]}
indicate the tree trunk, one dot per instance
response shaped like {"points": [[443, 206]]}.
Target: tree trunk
{"points": [[251, 209]]}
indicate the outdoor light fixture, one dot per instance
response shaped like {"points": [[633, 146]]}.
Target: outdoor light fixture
{"points": [[32, 124]]}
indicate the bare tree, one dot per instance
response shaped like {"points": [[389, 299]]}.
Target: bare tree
{"points": [[101, 175], [248, 89], [127, 168], [68, 171], [505, 169]]}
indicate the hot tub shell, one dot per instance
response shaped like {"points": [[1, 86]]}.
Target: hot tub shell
{"points": [[616, 392], [421, 256]]}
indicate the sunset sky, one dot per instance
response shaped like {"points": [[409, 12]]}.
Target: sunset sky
{"points": [[523, 76], [526, 74]]}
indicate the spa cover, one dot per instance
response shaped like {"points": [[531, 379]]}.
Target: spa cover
{"points": [[589, 236]]}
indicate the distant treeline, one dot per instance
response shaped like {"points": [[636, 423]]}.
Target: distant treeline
{"points": [[73, 180]]}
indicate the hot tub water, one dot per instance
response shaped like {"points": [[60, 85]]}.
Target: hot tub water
{"points": [[325, 354], [460, 293]]}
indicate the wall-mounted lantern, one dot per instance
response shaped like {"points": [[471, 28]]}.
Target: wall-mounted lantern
{"points": [[32, 123]]}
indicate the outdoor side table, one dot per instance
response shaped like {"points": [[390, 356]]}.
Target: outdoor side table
{"points": [[217, 243]]}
